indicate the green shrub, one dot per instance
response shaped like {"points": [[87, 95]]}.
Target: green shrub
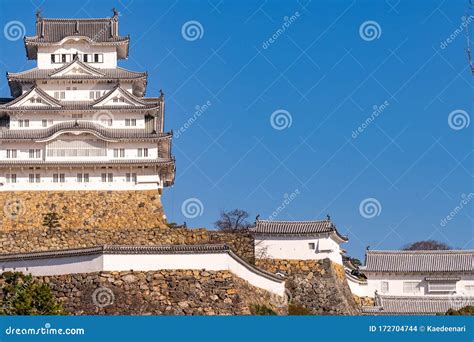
{"points": [[23, 295], [465, 311], [298, 310], [263, 310]]}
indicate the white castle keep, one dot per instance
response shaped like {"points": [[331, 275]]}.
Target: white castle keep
{"points": [[78, 121]]}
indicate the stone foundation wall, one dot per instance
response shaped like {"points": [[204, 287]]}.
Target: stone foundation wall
{"points": [[320, 286], [82, 209], [42, 239], [165, 292]]}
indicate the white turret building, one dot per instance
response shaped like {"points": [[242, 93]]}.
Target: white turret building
{"points": [[78, 121], [298, 240]]}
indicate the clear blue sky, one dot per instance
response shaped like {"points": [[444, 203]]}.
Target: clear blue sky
{"points": [[328, 78]]}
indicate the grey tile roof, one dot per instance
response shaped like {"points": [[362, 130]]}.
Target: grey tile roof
{"points": [[103, 31], [282, 228], [419, 261], [417, 305], [79, 105], [98, 30], [108, 74], [97, 129], [114, 162]]}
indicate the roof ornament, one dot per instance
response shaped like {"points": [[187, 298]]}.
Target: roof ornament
{"points": [[257, 217], [162, 94], [76, 124], [367, 248], [38, 14], [328, 217], [116, 13]]}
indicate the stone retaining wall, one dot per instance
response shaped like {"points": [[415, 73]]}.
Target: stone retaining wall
{"points": [[82, 209], [320, 286], [165, 292], [42, 239]]}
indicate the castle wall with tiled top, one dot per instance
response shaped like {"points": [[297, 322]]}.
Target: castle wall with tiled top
{"points": [[42, 239]]}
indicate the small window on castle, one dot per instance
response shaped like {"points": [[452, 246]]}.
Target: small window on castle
{"points": [[11, 153], [38, 178], [86, 178], [55, 58], [97, 94], [55, 177], [62, 178], [384, 287], [79, 178], [62, 95], [311, 245], [103, 177], [31, 178], [91, 95], [98, 58], [11, 177]]}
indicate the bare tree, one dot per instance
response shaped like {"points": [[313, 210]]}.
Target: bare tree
{"points": [[426, 245], [234, 221]]}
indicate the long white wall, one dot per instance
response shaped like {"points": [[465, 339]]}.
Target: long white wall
{"points": [[396, 285], [145, 262], [298, 248]]}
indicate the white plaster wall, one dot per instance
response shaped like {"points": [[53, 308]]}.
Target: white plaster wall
{"points": [[55, 266], [210, 261], [130, 149], [360, 289], [36, 119], [298, 248], [81, 93], [144, 262], [81, 46], [395, 281], [147, 179]]}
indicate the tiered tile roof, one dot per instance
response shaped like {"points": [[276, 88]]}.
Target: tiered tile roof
{"points": [[419, 261], [420, 305], [294, 228]]}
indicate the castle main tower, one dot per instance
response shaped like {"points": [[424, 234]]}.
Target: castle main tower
{"points": [[78, 136]]}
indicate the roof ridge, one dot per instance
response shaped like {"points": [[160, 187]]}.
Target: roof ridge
{"points": [[420, 251], [292, 221]]}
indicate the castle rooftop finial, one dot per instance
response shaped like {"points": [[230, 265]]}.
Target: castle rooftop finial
{"points": [[328, 217], [116, 13], [38, 14]]}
